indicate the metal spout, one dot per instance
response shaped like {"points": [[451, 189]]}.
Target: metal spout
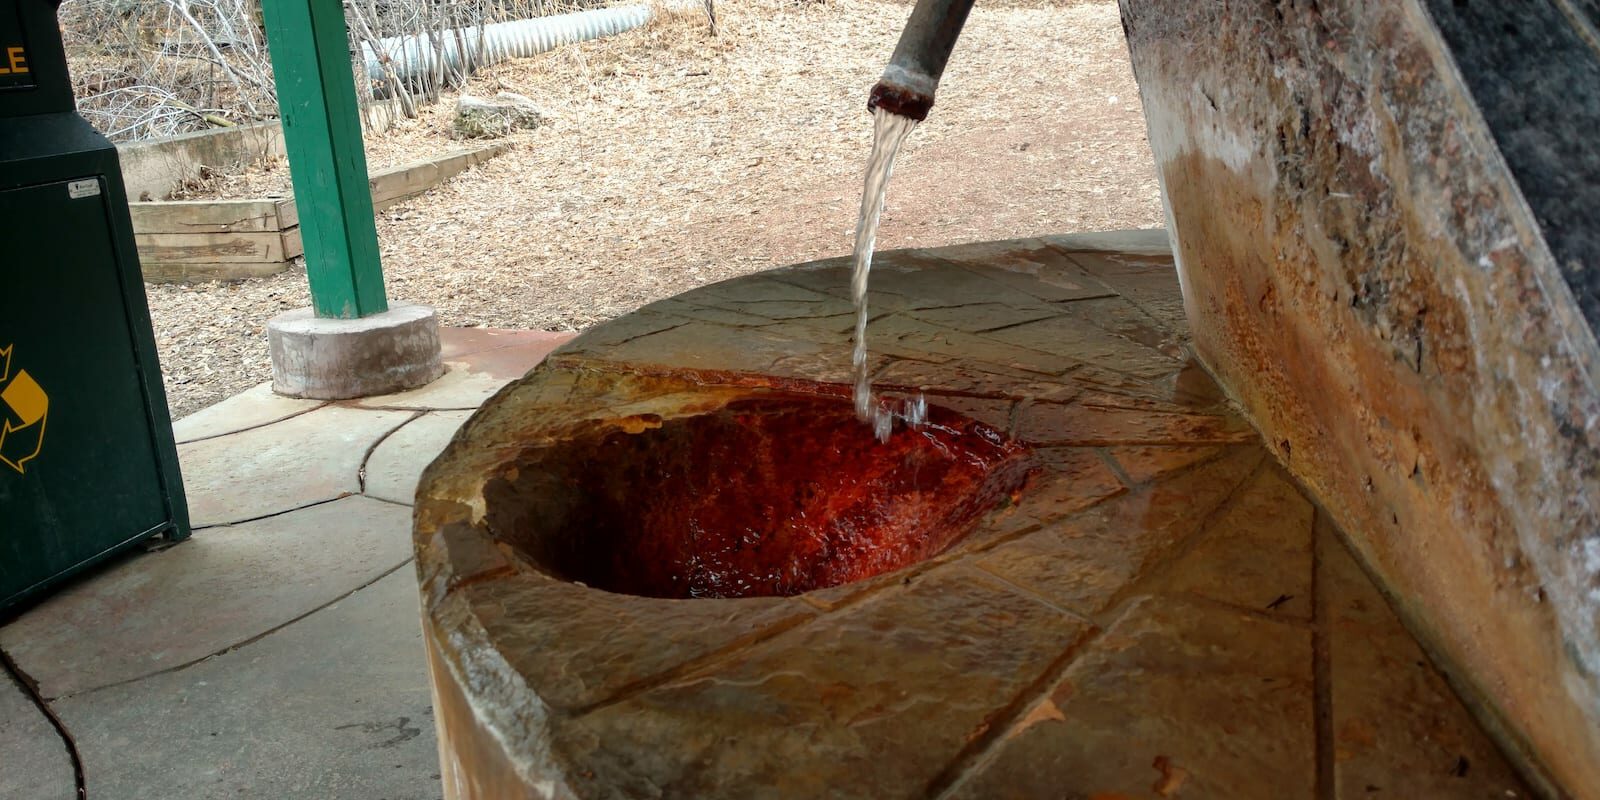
{"points": [[908, 84]]}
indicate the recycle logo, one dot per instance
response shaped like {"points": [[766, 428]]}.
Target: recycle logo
{"points": [[23, 408]]}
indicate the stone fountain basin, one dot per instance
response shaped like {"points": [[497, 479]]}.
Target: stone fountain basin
{"points": [[1140, 619], [582, 543], [563, 533], [772, 494]]}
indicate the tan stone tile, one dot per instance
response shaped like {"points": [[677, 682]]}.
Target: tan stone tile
{"points": [[993, 381], [837, 332], [1088, 343], [453, 554], [1084, 561], [844, 594], [1028, 265], [342, 695], [1092, 376], [1193, 385], [757, 288], [599, 342], [1167, 402], [898, 335], [831, 327], [554, 386], [1257, 553], [825, 275], [824, 307], [1398, 730], [977, 317], [1175, 700], [577, 646], [1065, 285], [827, 364], [37, 764], [224, 586], [251, 408], [832, 278], [1079, 424], [1119, 317], [683, 307], [1140, 241], [761, 297], [460, 387], [928, 281], [706, 346], [310, 458], [394, 466], [1141, 463], [1151, 282], [873, 701]]}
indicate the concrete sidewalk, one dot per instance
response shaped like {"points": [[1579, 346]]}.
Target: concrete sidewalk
{"points": [[277, 653]]}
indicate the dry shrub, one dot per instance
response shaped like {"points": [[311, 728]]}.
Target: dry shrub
{"points": [[152, 68], [146, 69]]}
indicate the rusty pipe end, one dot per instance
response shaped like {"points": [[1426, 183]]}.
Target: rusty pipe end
{"points": [[901, 100]]}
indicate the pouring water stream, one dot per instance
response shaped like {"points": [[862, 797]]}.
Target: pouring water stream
{"points": [[889, 131]]}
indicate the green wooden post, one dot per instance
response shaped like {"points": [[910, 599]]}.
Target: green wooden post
{"points": [[322, 132]]}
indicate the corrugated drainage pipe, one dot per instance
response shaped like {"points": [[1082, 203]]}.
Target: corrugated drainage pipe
{"points": [[418, 55]]}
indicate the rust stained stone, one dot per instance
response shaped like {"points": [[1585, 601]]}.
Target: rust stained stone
{"points": [[1084, 562], [1363, 273], [1174, 700], [1256, 554], [813, 502], [994, 413], [1080, 423], [954, 647], [1398, 730], [1074, 478], [1141, 463]]}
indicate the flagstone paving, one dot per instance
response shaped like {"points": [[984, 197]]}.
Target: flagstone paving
{"points": [[277, 652], [33, 761]]}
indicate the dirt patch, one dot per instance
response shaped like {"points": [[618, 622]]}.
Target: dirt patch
{"points": [[672, 158]]}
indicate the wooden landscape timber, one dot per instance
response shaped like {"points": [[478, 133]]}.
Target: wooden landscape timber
{"points": [[202, 240]]}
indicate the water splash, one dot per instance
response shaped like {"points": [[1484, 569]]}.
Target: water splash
{"points": [[889, 131]]}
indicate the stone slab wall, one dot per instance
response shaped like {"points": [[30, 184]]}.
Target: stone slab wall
{"points": [[153, 167], [1364, 273]]}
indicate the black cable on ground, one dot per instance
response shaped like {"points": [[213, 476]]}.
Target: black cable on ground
{"points": [[31, 686]]}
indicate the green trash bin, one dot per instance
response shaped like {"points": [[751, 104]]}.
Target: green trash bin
{"points": [[88, 467]]}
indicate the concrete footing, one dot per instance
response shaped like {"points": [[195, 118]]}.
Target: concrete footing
{"points": [[335, 359]]}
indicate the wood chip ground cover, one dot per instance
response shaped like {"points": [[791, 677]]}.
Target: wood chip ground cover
{"points": [[672, 158]]}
